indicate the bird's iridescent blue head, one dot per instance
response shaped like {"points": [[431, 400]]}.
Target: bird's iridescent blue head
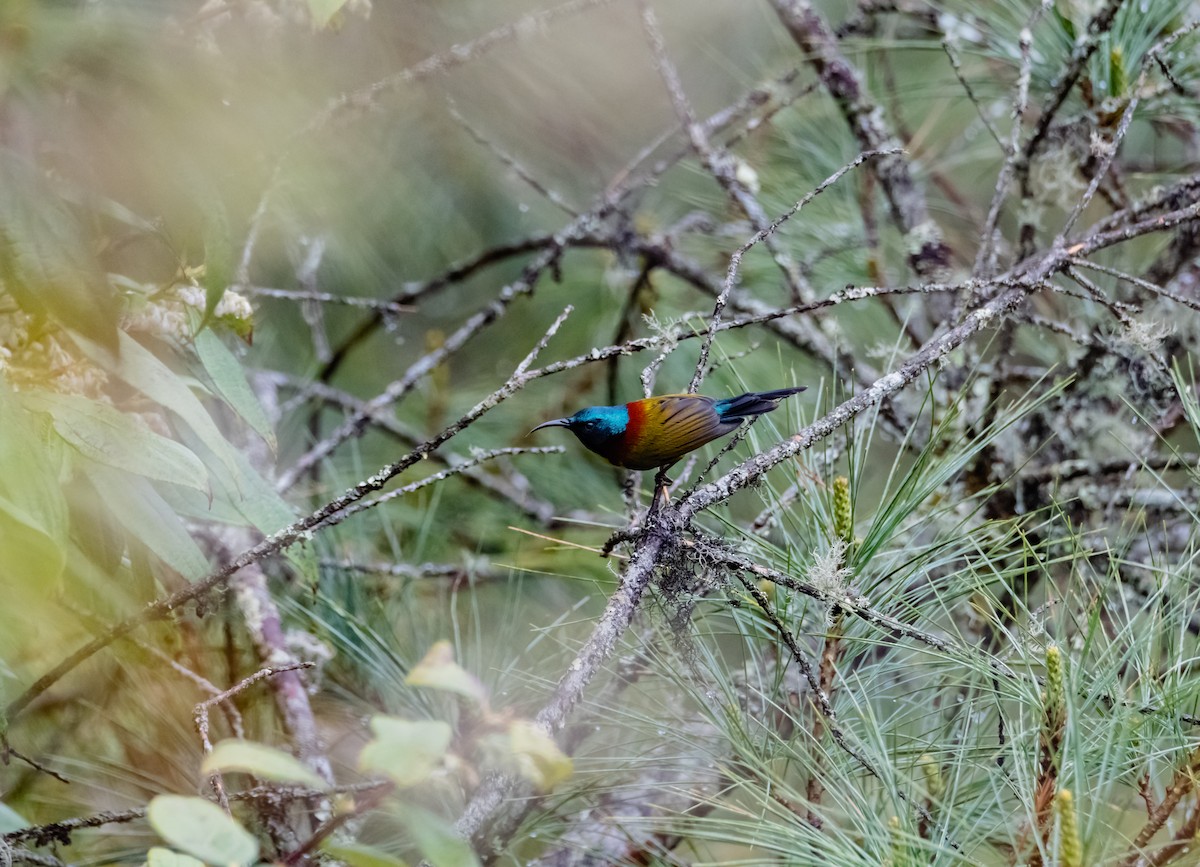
{"points": [[593, 425]]}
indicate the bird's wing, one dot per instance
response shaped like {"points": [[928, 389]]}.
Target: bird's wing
{"points": [[662, 429]]}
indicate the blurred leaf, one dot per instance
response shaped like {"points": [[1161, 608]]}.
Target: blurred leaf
{"points": [[439, 671], [256, 499], [360, 855], [255, 502], [202, 829], [104, 434], [191, 504], [322, 11], [230, 382], [1065, 21], [436, 839], [160, 857], [94, 529], [142, 369], [147, 517], [34, 518], [262, 761], [218, 256], [11, 820], [406, 752], [46, 261], [1118, 77], [538, 756]]}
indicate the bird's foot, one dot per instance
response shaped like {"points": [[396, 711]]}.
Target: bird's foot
{"points": [[662, 491]]}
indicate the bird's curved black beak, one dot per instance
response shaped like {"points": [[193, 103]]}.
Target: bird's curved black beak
{"points": [[554, 422]]}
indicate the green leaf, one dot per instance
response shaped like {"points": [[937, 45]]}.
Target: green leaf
{"points": [[439, 671], [360, 855], [262, 761], [142, 369], [406, 752], [147, 517], [200, 828], [230, 382], [160, 857], [322, 11], [106, 435], [436, 839]]}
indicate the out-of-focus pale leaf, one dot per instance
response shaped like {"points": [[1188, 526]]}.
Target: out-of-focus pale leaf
{"points": [[322, 11], [108, 436], [538, 757], [201, 507], [148, 518], [11, 820], [142, 369], [256, 501], [34, 516], [436, 839], [201, 828], [404, 751], [218, 256], [159, 856], [360, 855], [439, 671], [46, 261], [230, 382], [262, 761]]}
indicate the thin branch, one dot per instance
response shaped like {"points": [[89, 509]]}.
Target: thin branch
{"points": [[719, 164], [201, 711], [1097, 26], [1152, 288], [476, 323], [60, 832], [735, 261], [418, 290], [858, 607], [509, 487], [515, 167], [475, 461], [956, 64], [381, 306], [984, 258], [930, 255], [1107, 155]]}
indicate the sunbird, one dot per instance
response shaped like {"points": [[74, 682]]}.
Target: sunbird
{"points": [[655, 432]]}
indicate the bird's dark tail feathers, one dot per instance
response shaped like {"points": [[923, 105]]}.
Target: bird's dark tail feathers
{"points": [[752, 403]]}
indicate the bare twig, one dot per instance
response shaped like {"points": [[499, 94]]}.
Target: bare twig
{"points": [[984, 258], [201, 712], [930, 255], [382, 306], [507, 486], [719, 164], [735, 261]]}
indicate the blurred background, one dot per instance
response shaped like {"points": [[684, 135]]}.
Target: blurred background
{"points": [[225, 226]]}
